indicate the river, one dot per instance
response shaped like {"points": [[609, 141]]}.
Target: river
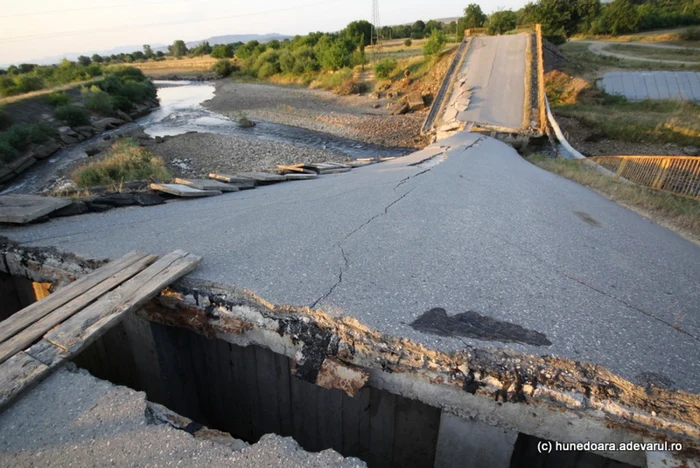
{"points": [[181, 111]]}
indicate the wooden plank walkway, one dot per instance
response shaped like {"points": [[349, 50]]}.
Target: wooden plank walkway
{"points": [[67, 321]]}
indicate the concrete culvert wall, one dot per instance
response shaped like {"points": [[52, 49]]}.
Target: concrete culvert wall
{"points": [[249, 391]]}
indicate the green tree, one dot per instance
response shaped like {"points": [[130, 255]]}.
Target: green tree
{"points": [[334, 53], [360, 32], [432, 24], [84, 61], [202, 49], [97, 58], [418, 30], [622, 17], [148, 51], [408, 42], [222, 51], [178, 49], [222, 68], [435, 44], [474, 17], [502, 21]]}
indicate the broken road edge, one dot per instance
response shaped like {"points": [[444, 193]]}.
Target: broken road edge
{"points": [[543, 396]]}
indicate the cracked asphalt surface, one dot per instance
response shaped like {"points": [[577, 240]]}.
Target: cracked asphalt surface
{"points": [[482, 231], [495, 77]]}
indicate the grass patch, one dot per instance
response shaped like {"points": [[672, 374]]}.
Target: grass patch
{"points": [[677, 35], [124, 162], [677, 213], [582, 61], [656, 53], [639, 122], [331, 81], [18, 137]]}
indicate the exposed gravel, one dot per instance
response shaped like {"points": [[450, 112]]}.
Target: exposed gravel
{"points": [[197, 154], [351, 117]]}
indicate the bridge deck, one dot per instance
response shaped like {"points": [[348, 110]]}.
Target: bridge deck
{"points": [[490, 87]]}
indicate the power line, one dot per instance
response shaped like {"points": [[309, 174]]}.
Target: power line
{"points": [[174, 23]]}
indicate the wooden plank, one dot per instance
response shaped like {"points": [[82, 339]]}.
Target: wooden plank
{"points": [[412, 447], [304, 413], [263, 177], [284, 395], [237, 180], [382, 427], [364, 423], [184, 191], [249, 371], [19, 374], [267, 389], [207, 184], [90, 323], [296, 168], [352, 411], [35, 331], [330, 422], [36, 311]]}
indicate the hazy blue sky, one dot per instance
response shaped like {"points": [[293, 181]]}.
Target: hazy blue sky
{"points": [[33, 29]]}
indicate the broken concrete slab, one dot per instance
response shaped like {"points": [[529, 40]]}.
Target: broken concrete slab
{"points": [[113, 425], [207, 184], [263, 177], [296, 168], [243, 183], [22, 209], [180, 190], [300, 176]]}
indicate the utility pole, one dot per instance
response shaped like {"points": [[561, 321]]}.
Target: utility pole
{"points": [[375, 29]]}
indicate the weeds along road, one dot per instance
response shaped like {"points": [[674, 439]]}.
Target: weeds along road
{"points": [[482, 231]]}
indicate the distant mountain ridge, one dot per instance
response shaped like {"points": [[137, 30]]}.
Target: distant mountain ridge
{"points": [[231, 38]]}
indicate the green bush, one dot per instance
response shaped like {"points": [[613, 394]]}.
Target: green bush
{"points": [[384, 68], [222, 68], [18, 137], [222, 51], [57, 99], [124, 162], [29, 83], [72, 115], [690, 34], [408, 42], [97, 100], [7, 151], [267, 70], [121, 103], [434, 46], [5, 120]]}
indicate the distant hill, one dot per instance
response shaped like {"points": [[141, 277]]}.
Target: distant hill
{"points": [[230, 38]]}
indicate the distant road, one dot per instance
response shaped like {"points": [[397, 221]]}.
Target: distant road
{"points": [[495, 82], [42, 92], [598, 47]]}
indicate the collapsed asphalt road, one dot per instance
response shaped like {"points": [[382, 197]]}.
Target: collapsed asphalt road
{"points": [[479, 231], [494, 82]]}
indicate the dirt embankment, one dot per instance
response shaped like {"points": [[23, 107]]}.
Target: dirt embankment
{"points": [[353, 117]]}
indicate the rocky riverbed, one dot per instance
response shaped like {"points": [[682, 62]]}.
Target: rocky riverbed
{"points": [[358, 117]]}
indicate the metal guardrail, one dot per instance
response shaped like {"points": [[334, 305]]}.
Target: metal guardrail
{"points": [[679, 175], [441, 96]]}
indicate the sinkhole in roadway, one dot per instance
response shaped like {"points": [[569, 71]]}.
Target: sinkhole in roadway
{"points": [[249, 391]]}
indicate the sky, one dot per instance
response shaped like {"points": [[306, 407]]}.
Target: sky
{"points": [[31, 30]]}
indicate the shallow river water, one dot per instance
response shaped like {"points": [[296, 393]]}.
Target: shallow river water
{"points": [[181, 111]]}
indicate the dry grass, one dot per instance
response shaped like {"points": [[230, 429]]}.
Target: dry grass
{"points": [[656, 53], [43, 92], [669, 36], [680, 214], [124, 162], [583, 62], [186, 65]]}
